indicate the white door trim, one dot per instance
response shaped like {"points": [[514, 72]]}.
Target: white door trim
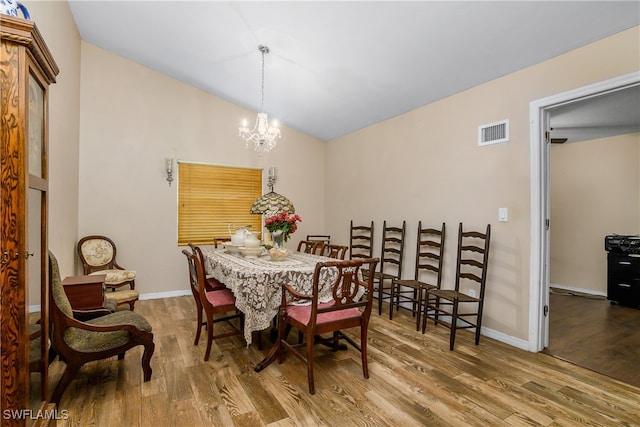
{"points": [[539, 193]]}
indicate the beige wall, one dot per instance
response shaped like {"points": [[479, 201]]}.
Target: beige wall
{"points": [[595, 191], [55, 22], [132, 119], [422, 165], [426, 165]]}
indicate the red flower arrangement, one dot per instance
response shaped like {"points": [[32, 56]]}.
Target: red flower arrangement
{"points": [[285, 223]]}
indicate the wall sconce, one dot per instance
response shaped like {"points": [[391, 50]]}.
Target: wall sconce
{"points": [[169, 167]]}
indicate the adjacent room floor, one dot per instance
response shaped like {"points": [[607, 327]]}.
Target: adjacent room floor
{"points": [[592, 333]]}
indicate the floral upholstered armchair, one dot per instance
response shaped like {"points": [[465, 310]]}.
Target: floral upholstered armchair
{"points": [[98, 256], [80, 342]]}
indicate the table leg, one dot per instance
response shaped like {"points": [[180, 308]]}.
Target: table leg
{"points": [[269, 358], [273, 352]]}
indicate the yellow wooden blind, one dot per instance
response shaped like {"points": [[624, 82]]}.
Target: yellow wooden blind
{"points": [[211, 197]]}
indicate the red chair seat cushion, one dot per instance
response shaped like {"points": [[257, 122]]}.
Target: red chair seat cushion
{"points": [[221, 297], [302, 314], [214, 284]]}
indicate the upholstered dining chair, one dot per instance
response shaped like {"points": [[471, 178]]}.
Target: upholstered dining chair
{"points": [[219, 241], [98, 256], [322, 237], [335, 251], [315, 247], [471, 267], [211, 284], [350, 308], [216, 302], [427, 273], [79, 342]]}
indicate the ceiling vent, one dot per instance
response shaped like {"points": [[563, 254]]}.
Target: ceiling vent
{"points": [[493, 133]]}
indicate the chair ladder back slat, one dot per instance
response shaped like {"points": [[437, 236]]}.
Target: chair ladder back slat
{"points": [[360, 241]]}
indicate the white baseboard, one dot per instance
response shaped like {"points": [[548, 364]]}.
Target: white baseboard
{"points": [[507, 339], [498, 336], [155, 295], [579, 290], [170, 294]]}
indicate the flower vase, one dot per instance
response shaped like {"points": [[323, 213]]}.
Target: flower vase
{"points": [[278, 240]]}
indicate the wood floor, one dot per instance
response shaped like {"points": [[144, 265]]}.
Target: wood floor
{"points": [[594, 334], [414, 380]]}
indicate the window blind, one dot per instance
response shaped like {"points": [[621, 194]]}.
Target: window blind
{"points": [[211, 197]]}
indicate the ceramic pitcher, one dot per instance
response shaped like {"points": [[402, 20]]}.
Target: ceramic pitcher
{"points": [[10, 7]]}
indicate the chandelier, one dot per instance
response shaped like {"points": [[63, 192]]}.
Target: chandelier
{"points": [[262, 135]]}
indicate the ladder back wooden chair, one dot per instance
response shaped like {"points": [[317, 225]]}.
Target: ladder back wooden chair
{"points": [[79, 342], [98, 256], [464, 303], [216, 302], [390, 268], [350, 308], [428, 272], [360, 241]]}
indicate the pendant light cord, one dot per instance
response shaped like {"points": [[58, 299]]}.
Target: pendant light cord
{"points": [[263, 50]]}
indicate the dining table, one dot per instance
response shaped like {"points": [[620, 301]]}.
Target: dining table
{"points": [[256, 282]]}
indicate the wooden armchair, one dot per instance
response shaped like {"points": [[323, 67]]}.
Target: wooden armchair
{"points": [[350, 308], [80, 342]]}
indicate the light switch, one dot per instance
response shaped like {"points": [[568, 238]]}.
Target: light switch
{"points": [[502, 214]]}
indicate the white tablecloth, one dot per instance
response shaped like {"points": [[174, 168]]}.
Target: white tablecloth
{"points": [[257, 282]]}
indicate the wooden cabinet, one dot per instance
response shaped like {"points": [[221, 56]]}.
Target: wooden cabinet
{"points": [[85, 292], [26, 71], [623, 278]]}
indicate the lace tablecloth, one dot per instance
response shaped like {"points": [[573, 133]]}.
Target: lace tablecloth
{"points": [[257, 282]]}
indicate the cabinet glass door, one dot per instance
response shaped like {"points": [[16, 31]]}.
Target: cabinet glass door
{"points": [[36, 127], [36, 249]]}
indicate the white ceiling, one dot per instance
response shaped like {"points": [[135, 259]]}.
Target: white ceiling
{"points": [[608, 114], [338, 66]]}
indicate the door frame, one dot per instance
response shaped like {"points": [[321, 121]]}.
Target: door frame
{"points": [[540, 199]]}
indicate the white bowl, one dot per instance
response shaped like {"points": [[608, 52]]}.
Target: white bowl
{"points": [[277, 254], [251, 252], [231, 248], [252, 243]]}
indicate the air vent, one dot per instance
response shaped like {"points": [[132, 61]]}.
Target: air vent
{"points": [[493, 133]]}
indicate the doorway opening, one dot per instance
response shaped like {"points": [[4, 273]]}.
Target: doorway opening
{"points": [[540, 198]]}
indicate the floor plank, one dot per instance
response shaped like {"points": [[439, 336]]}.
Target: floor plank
{"points": [[592, 333], [414, 380]]}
